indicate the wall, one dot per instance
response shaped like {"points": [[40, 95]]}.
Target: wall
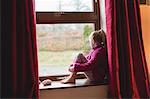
{"points": [[91, 92], [145, 18]]}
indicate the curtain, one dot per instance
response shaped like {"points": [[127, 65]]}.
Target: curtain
{"points": [[127, 64], [19, 76]]}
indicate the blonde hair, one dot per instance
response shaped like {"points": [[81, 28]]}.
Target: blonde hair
{"points": [[98, 37]]}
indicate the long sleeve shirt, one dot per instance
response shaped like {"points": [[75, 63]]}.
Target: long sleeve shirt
{"points": [[96, 63]]}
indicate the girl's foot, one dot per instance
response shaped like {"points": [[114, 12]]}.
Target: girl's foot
{"points": [[68, 80]]}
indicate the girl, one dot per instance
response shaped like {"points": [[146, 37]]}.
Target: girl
{"points": [[94, 65]]}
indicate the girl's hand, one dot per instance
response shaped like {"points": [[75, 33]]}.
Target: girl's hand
{"points": [[71, 68]]}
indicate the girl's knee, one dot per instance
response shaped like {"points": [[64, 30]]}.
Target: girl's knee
{"points": [[80, 55]]}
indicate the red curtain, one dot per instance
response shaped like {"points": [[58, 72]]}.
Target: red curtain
{"points": [[19, 76], [127, 64]]}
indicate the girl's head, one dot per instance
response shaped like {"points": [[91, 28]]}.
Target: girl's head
{"points": [[97, 38]]}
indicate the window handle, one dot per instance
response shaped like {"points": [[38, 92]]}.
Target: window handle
{"points": [[57, 14], [62, 13]]}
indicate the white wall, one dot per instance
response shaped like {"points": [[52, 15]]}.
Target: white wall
{"points": [[91, 92]]}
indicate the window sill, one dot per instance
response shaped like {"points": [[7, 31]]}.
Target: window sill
{"points": [[59, 77], [59, 85]]}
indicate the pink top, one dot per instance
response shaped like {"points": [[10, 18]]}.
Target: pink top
{"points": [[97, 64]]}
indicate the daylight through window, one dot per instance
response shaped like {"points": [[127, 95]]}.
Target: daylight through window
{"points": [[63, 27]]}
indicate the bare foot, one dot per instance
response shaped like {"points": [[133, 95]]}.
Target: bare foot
{"points": [[68, 80]]}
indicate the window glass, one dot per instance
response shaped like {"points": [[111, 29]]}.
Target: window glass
{"points": [[58, 44], [64, 5]]}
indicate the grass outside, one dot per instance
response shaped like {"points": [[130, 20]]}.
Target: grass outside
{"points": [[55, 63]]}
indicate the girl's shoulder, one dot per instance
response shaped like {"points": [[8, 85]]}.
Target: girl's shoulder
{"points": [[100, 50]]}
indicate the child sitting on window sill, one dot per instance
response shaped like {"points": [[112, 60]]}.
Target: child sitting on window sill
{"points": [[94, 65]]}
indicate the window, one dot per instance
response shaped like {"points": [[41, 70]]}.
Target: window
{"points": [[64, 5], [58, 44], [62, 29]]}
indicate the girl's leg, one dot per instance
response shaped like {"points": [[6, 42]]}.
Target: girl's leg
{"points": [[80, 58], [71, 78]]}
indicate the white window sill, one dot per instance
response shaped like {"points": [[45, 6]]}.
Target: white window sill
{"points": [[59, 85]]}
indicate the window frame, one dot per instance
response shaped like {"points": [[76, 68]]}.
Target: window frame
{"points": [[70, 17], [142, 1]]}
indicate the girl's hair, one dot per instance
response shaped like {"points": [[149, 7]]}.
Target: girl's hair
{"points": [[99, 37]]}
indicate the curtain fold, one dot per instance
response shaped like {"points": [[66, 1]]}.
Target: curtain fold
{"points": [[19, 50], [126, 57]]}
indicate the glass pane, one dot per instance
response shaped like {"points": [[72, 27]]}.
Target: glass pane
{"points": [[64, 5], [58, 44]]}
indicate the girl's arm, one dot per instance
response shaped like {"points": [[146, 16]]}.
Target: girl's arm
{"points": [[95, 58]]}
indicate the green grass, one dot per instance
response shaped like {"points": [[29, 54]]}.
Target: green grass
{"points": [[61, 58]]}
